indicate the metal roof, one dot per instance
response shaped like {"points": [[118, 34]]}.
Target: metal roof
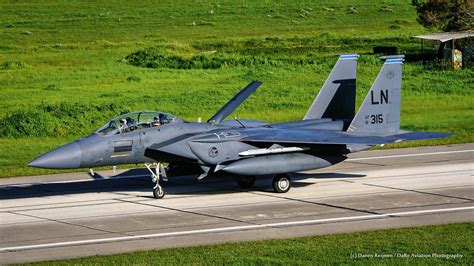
{"points": [[446, 36]]}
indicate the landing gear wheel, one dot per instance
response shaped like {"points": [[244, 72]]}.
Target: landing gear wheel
{"points": [[246, 181], [159, 192], [281, 183]]}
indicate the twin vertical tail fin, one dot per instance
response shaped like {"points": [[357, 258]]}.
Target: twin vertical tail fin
{"points": [[379, 114], [336, 99]]}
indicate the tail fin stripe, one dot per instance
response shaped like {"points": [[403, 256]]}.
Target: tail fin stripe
{"points": [[393, 61], [349, 56]]}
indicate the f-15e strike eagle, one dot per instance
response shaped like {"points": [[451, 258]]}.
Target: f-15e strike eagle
{"points": [[247, 149]]}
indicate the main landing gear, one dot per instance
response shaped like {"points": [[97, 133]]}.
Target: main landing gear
{"points": [[158, 191], [281, 183]]}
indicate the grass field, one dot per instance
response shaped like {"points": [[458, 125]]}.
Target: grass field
{"points": [[67, 67], [409, 246]]}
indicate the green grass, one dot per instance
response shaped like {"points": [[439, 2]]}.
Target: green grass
{"points": [[66, 69], [451, 239]]}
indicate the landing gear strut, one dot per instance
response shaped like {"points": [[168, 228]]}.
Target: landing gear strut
{"points": [[158, 191], [246, 182], [281, 183]]}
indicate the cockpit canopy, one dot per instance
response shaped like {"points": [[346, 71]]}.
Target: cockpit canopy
{"points": [[137, 121]]}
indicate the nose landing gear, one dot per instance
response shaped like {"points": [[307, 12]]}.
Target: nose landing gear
{"points": [[159, 171], [158, 191]]}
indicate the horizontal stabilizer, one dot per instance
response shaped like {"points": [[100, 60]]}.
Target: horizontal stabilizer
{"points": [[410, 136]]}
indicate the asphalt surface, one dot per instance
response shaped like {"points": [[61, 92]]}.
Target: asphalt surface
{"points": [[75, 215]]}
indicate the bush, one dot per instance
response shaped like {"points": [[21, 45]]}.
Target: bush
{"points": [[269, 51], [51, 87], [151, 58], [59, 119], [12, 65], [27, 124], [134, 79]]}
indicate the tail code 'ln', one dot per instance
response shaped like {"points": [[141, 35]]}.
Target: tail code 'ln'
{"points": [[379, 114]]}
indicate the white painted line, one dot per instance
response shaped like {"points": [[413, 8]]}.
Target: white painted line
{"points": [[228, 229], [431, 211], [406, 155]]}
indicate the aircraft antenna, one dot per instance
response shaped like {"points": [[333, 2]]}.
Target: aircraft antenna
{"points": [[240, 122]]}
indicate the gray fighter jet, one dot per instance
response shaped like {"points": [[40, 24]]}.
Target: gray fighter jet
{"points": [[327, 134]]}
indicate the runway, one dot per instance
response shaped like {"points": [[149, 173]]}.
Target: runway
{"points": [[75, 215]]}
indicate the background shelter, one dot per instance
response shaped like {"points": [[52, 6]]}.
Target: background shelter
{"points": [[458, 47]]}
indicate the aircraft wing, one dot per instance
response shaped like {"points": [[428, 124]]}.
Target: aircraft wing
{"points": [[233, 103]]}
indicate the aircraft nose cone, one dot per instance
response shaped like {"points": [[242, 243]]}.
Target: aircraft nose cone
{"points": [[64, 157]]}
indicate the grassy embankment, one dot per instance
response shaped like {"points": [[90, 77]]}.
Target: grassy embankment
{"points": [[408, 246], [64, 69]]}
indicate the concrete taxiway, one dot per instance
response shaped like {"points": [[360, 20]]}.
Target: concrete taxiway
{"points": [[73, 215]]}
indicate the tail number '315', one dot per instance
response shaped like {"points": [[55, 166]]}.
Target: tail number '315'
{"points": [[376, 119]]}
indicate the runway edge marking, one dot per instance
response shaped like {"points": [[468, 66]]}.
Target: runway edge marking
{"points": [[228, 229], [406, 155]]}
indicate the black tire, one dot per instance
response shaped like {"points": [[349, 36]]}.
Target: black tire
{"points": [[281, 183], [246, 182], [159, 193]]}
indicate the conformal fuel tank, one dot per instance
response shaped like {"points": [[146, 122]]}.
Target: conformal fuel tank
{"points": [[281, 163]]}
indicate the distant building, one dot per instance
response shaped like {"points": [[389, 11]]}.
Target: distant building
{"points": [[457, 47]]}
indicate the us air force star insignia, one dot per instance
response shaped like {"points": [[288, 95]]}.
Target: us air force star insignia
{"points": [[390, 74], [213, 151]]}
